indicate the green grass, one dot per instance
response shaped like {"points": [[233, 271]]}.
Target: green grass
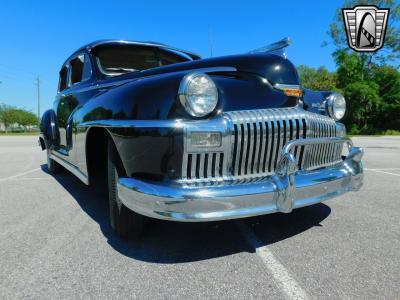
{"points": [[29, 133]]}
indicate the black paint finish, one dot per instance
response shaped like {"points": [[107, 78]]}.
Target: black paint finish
{"points": [[156, 153]]}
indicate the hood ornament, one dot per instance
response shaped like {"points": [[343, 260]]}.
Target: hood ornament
{"points": [[277, 48]]}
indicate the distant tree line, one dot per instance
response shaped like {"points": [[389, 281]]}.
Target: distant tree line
{"points": [[16, 118], [373, 98], [370, 82]]}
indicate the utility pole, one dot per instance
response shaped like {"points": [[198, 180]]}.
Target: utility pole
{"points": [[38, 96]]}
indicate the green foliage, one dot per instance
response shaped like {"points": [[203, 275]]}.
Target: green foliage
{"points": [[317, 79], [372, 94], [351, 67], [10, 115], [363, 102]]}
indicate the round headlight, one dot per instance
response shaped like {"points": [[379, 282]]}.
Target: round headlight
{"points": [[198, 94], [336, 106]]}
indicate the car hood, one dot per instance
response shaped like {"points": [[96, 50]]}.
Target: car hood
{"points": [[277, 69]]}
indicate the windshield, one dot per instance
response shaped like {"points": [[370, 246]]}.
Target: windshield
{"points": [[120, 59]]}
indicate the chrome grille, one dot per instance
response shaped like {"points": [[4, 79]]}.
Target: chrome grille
{"points": [[253, 145], [204, 165], [259, 136], [323, 155]]}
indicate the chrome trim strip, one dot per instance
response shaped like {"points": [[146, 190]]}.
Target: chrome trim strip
{"points": [[135, 123], [220, 69], [281, 86], [74, 170]]}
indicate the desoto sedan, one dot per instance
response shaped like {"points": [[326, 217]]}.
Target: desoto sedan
{"points": [[187, 139]]}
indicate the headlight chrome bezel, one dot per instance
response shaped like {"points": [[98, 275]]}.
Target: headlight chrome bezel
{"points": [[183, 94], [330, 106]]}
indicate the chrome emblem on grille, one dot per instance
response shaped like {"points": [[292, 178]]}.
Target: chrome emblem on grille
{"points": [[365, 27]]}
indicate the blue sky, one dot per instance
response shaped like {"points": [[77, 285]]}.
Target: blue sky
{"points": [[37, 36]]}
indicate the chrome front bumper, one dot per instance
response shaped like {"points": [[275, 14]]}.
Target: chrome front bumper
{"points": [[288, 189]]}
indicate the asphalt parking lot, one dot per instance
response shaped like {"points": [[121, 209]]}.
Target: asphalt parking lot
{"points": [[56, 241]]}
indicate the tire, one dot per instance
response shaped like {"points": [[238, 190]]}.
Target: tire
{"points": [[53, 167], [124, 222]]}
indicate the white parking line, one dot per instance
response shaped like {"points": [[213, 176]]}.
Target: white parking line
{"points": [[20, 174], [281, 275], [34, 178], [380, 171]]}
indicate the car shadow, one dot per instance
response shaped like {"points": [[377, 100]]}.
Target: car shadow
{"points": [[175, 242]]}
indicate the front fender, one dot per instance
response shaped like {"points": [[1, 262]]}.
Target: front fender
{"points": [[314, 101]]}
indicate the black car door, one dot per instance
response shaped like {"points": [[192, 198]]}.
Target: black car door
{"points": [[76, 93]]}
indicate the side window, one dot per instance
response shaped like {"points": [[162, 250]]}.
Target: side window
{"points": [[76, 69], [62, 84], [87, 68], [80, 69]]}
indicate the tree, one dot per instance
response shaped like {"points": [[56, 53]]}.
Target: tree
{"points": [[317, 79], [388, 80], [10, 115], [363, 103], [7, 115], [25, 118]]}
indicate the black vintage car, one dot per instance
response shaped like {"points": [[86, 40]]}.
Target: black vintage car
{"points": [[188, 139]]}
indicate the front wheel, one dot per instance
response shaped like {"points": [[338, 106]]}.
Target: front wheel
{"points": [[124, 221]]}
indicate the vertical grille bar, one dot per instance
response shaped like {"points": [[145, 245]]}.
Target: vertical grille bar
{"points": [[238, 148], [256, 139], [263, 143], [295, 137], [245, 142], [280, 135], [252, 134], [274, 142], [303, 124]]}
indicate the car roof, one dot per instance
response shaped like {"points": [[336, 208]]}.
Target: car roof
{"points": [[95, 44]]}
